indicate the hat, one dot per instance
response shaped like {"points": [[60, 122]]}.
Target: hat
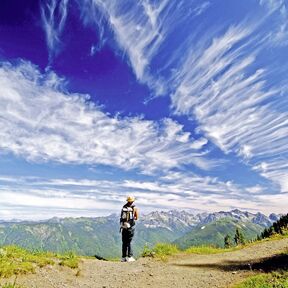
{"points": [[130, 199]]}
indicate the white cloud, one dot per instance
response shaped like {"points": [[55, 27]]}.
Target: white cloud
{"points": [[275, 169], [198, 144], [245, 151], [139, 28], [279, 29], [136, 29], [272, 5], [257, 189], [42, 123], [54, 14], [86, 197], [202, 8], [277, 202]]}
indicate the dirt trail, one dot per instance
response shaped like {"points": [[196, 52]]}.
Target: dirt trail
{"points": [[218, 270]]}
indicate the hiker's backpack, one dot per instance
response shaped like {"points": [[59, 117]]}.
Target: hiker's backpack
{"points": [[127, 216]]}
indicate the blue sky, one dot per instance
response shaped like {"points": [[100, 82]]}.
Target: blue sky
{"points": [[180, 103]]}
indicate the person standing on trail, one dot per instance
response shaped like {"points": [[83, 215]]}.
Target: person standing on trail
{"points": [[129, 214]]}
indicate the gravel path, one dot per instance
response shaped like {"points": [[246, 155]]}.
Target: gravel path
{"points": [[218, 270]]}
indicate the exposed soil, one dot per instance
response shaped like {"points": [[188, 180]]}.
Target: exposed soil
{"points": [[217, 270]]}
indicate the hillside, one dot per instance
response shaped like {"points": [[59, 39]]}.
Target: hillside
{"points": [[85, 236], [183, 270], [213, 233], [100, 235]]}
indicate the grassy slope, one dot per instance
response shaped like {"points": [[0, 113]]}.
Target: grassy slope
{"points": [[15, 260], [84, 236], [270, 280], [161, 250], [214, 233]]}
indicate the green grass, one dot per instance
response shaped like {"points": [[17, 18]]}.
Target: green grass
{"points": [[209, 250], [214, 250], [15, 260], [270, 280], [113, 259], [10, 285], [69, 260], [160, 250], [277, 236], [276, 279]]}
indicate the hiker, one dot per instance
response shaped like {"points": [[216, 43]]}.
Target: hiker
{"points": [[129, 214]]}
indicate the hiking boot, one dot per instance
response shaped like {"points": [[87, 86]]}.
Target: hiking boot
{"points": [[123, 259], [130, 259]]}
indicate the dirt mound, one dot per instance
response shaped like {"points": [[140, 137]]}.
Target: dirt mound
{"points": [[217, 270]]}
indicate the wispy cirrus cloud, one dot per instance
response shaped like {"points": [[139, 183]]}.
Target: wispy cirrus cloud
{"points": [[238, 110], [136, 29], [272, 5], [278, 35], [54, 14], [202, 8], [41, 122], [139, 28], [220, 77]]}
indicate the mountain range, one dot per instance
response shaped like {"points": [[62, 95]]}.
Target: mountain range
{"points": [[100, 236]]}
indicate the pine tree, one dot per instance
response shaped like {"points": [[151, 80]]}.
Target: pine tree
{"points": [[239, 237], [227, 241], [265, 233], [278, 227]]}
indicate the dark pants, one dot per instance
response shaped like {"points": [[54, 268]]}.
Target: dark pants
{"points": [[127, 236]]}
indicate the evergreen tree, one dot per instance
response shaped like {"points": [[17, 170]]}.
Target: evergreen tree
{"points": [[278, 227], [239, 237], [265, 233], [227, 241]]}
